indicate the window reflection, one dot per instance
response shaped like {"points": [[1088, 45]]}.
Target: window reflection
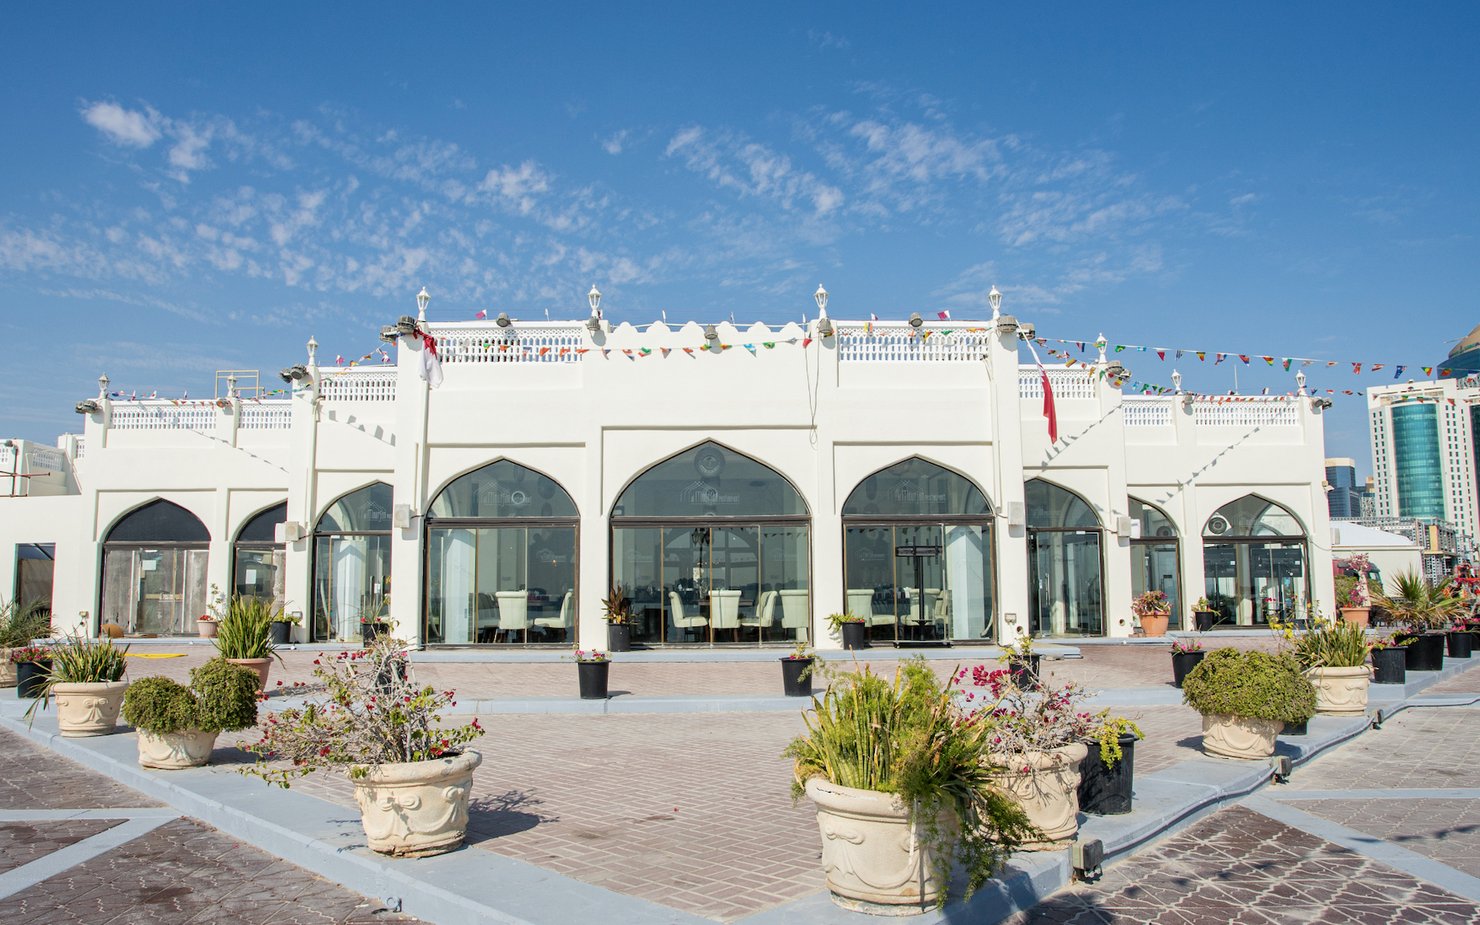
{"points": [[1065, 563]]}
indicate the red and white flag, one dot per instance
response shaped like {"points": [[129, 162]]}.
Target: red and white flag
{"points": [[943, 316], [481, 314], [338, 360], [1048, 409], [431, 364]]}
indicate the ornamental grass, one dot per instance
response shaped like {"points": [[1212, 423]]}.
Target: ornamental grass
{"points": [[78, 660], [1330, 644], [21, 623], [245, 631]]}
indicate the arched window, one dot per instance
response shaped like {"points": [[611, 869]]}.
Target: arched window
{"points": [[501, 559], [1154, 556], [257, 557], [917, 561], [712, 546], [352, 563], [1065, 566], [1254, 562], [154, 570]]}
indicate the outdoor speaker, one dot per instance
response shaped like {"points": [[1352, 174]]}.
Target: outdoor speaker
{"points": [[401, 517], [1015, 513], [1125, 527], [289, 531]]}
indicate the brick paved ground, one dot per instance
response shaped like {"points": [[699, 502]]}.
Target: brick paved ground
{"points": [[1467, 683], [181, 873]]}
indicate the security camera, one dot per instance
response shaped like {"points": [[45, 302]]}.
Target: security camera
{"points": [[1007, 324], [1027, 331], [294, 373]]}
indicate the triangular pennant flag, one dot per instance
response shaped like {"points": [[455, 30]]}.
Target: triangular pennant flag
{"points": [[1202, 356], [1244, 357], [646, 350], [1120, 348], [1427, 370], [1375, 367], [1286, 363], [666, 350], [1080, 345], [1179, 354], [751, 348], [1220, 358], [544, 350], [1398, 372], [806, 342], [1161, 355], [769, 344], [1356, 368], [689, 350], [1268, 361]]}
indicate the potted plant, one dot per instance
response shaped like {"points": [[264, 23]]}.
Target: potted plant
{"points": [[797, 670], [850, 629], [86, 678], [593, 670], [902, 785], [1353, 596], [1334, 658], [616, 610], [1204, 615], [1424, 610], [1186, 653], [178, 725], [411, 775], [1245, 699], [31, 665], [280, 631], [1154, 611], [1107, 774], [1037, 745], [245, 635], [18, 626], [1021, 661], [1459, 640], [1389, 659], [206, 626]]}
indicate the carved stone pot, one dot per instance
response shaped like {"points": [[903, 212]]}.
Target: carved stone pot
{"points": [[871, 853], [1340, 691], [7, 668], [88, 708], [260, 665], [418, 808], [1046, 786], [172, 751], [1239, 736]]}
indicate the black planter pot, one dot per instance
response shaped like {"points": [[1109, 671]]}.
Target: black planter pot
{"points": [[1183, 662], [279, 632], [370, 631], [855, 635], [619, 637], [29, 677], [1106, 791], [1205, 620], [593, 677], [792, 670], [1389, 666], [1426, 652], [1460, 643], [1296, 729], [1025, 673]]}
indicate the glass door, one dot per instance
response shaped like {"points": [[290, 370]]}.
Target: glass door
{"points": [[1064, 578], [170, 591]]}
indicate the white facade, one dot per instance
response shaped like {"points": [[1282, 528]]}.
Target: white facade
{"points": [[593, 412], [1427, 468]]}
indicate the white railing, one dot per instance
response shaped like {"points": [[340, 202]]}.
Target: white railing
{"points": [[1147, 412], [1066, 383], [355, 385], [521, 342], [267, 415], [163, 415], [897, 342], [8, 460], [81, 447], [1243, 411]]}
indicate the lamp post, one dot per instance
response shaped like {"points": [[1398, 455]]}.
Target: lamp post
{"points": [[824, 324], [422, 298], [593, 324], [994, 299]]}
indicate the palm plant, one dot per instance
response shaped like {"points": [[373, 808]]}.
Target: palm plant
{"points": [[21, 623], [246, 630], [1411, 600]]}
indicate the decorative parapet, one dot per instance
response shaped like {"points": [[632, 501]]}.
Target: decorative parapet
{"points": [[897, 342], [1066, 383], [1245, 411], [1149, 411], [521, 342], [358, 385], [267, 415], [163, 415]]}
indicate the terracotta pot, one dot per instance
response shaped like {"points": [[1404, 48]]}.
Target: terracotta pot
{"points": [[871, 853], [174, 750], [1046, 786], [1155, 624], [1341, 691], [1358, 616], [88, 708], [1239, 736], [418, 808], [7, 669], [207, 628], [260, 665]]}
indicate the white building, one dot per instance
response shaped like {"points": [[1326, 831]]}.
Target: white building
{"points": [[740, 483]]}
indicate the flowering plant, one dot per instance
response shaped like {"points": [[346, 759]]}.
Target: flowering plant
{"points": [[1019, 650], [206, 618], [835, 621], [1023, 719], [31, 654], [1152, 604], [374, 715], [591, 655], [800, 651], [1186, 646]]}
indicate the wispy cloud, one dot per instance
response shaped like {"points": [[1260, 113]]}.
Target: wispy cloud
{"points": [[128, 127]]}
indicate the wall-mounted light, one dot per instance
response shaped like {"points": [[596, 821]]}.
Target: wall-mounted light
{"points": [[502, 320], [88, 406], [1027, 331], [405, 325], [389, 333], [916, 320], [1007, 325], [295, 373], [1116, 371], [1320, 404], [711, 333]]}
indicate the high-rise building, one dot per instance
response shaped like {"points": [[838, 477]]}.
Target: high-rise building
{"points": [[1343, 497], [1464, 359]]}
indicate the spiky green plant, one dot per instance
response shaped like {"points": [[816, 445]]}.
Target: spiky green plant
{"points": [[1332, 645], [21, 623], [1411, 600], [246, 630], [78, 660], [909, 738]]}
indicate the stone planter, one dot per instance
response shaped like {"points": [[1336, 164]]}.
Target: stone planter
{"points": [[7, 669], [1340, 691], [1460, 643], [792, 682], [871, 853], [1183, 662], [417, 808], [1239, 736], [260, 665], [207, 628], [88, 708], [1358, 616], [1046, 786], [175, 750], [1155, 624], [1389, 666]]}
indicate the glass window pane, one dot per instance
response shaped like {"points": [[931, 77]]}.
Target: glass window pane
{"points": [[262, 527], [1154, 568], [35, 565], [1252, 516], [159, 521], [638, 565], [915, 488], [503, 489], [1250, 581], [367, 509], [785, 598], [868, 578], [709, 481], [1050, 506], [1065, 583], [1155, 523], [351, 580], [259, 573], [966, 599]]}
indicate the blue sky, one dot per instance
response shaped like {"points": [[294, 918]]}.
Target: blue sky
{"points": [[188, 187]]}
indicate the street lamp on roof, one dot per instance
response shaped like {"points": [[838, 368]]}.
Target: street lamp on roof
{"points": [[593, 324], [994, 299], [422, 298], [824, 324]]}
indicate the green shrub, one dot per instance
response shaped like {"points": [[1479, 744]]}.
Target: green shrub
{"points": [[159, 705], [226, 695], [245, 631], [21, 624], [1257, 685]]}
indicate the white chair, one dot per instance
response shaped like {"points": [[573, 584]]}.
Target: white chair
{"points": [[724, 610], [795, 614], [485, 627], [765, 613], [561, 622], [513, 613], [861, 604], [679, 618], [918, 613]]}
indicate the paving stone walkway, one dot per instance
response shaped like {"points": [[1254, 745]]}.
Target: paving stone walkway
{"points": [[76, 847]]}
